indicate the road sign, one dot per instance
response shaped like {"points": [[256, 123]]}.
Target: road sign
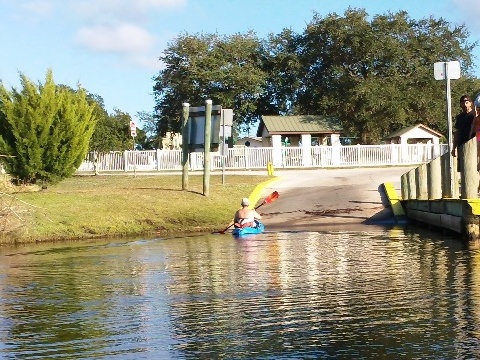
{"points": [[450, 68], [133, 129]]}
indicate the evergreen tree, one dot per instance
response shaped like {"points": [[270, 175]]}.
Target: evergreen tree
{"points": [[44, 130]]}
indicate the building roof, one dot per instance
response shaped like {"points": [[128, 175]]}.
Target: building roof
{"points": [[407, 129], [298, 124], [254, 138]]}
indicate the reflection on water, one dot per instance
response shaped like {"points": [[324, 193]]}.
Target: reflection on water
{"points": [[383, 294]]}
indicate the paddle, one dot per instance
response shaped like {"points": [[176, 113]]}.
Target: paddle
{"points": [[270, 198]]}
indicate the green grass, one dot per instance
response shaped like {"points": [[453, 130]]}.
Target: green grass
{"points": [[122, 205]]}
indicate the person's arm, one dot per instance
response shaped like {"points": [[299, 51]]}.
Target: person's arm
{"points": [[236, 217], [454, 142], [473, 129]]}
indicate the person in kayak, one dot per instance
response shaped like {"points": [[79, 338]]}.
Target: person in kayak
{"points": [[246, 217]]}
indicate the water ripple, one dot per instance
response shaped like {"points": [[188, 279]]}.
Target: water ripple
{"points": [[385, 294]]}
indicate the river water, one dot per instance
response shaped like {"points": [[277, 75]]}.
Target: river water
{"points": [[382, 294]]}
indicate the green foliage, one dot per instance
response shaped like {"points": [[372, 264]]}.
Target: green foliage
{"points": [[373, 74], [282, 66], [151, 140], [112, 133], [45, 130], [227, 70], [377, 76]]}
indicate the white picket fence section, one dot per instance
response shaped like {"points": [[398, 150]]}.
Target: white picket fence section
{"points": [[244, 158]]}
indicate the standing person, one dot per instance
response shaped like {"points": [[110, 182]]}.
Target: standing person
{"points": [[475, 131], [246, 217], [463, 123]]}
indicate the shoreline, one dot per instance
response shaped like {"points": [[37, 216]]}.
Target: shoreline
{"points": [[98, 207]]}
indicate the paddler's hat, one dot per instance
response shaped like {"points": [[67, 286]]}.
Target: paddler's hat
{"points": [[245, 202]]}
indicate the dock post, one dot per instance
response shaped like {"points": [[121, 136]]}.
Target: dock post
{"points": [[469, 177], [412, 187], [434, 179], [447, 160], [404, 186], [421, 182]]}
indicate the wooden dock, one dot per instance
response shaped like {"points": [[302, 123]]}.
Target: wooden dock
{"points": [[437, 194]]}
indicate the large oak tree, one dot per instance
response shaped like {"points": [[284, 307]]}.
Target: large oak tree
{"points": [[376, 75], [373, 75]]}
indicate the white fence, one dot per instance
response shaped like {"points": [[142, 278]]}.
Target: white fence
{"points": [[258, 158]]}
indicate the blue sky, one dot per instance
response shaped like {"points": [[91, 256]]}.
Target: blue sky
{"points": [[111, 47]]}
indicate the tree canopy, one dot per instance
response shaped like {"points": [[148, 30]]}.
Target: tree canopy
{"points": [[112, 132], [44, 130], [226, 69], [373, 75], [376, 76]]}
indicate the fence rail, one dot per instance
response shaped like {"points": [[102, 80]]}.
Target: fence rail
{"points": [[258, 158]]}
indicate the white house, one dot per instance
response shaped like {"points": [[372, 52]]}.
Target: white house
{"points": [[250, 141], [415, 134]]}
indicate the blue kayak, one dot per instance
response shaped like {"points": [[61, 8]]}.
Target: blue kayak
{"points": [[249, 230]]}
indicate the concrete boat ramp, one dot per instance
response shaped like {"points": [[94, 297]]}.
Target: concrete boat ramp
{"points": [[331, 199]]}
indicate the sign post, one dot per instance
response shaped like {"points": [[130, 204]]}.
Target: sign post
{"points": [[227, 121], [133, 133], [447, 71]]}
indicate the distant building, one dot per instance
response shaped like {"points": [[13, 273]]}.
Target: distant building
{"points": [[306, 131], [414, 134], [250, 141], [172, 141], [298, 130]]}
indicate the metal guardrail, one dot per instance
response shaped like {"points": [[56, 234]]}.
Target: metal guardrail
{"points": [[259, 157]]}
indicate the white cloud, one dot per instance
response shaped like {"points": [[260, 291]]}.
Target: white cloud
{"points": [[41, 8], [123, 9], [161, 3], [122, 38], [118, 27]]}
